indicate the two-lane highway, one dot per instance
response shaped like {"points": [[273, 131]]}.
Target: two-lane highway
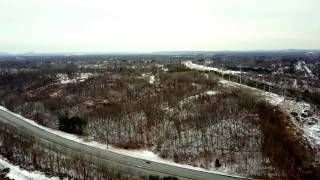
{"points": [[105, 156]]}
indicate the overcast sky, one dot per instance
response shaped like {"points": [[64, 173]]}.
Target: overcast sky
{"points": [[155, 25]]}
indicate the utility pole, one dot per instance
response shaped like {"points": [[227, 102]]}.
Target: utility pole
{"points": [[264, 85], [282, 85], [240, 74], [284, 89], [222, 72]]}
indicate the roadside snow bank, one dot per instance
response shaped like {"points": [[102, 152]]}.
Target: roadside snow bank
{"points": [[19, 174]]}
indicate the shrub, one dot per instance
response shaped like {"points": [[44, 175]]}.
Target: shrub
{"points": [[177, 68], [74, 125], [151, 177], [170, 178]]}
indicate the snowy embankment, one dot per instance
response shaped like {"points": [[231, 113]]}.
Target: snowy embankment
{"points": [[272, 98], [307, 118], [191, 65], [303, 115], [191, 98], [140, 154], [19, 174]]}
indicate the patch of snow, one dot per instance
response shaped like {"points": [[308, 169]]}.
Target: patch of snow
{"points": [[273, 98], [152, 79], [191, 98], [301, 66], [310, 53], [308, 71], [211, 93], [162, 67], [295, 83], [279, 71], [313, 134], [298, 66], [63, 78], [19, 174], [55, 94]]}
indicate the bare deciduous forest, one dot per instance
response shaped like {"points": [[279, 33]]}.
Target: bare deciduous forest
{"points": [[180, 114]]}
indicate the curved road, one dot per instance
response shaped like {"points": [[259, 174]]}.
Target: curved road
{"points": [[104, 156]]}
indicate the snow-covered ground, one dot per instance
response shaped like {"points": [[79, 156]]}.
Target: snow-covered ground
{"points": [[80, 77], [191, 65], [17, 173], [305, 117], [142, 154]]}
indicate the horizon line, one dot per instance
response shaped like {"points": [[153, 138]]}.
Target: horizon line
{"points": [[147, 52]]}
